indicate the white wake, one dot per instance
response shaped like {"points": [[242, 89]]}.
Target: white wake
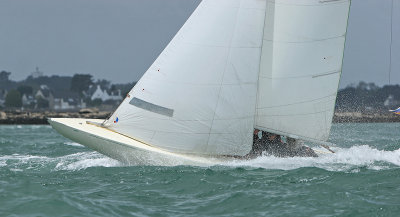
{"points": [[77, 161], [345, 159]]}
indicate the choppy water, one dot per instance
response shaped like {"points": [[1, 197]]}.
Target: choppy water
{"points": [[44, 174]]}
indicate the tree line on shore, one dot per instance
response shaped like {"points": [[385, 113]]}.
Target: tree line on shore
{"points": [[79, 87], [368, 97], [363, 97]]}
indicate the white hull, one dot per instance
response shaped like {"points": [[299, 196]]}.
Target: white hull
{"points": [[123, 148], [128, 150]]}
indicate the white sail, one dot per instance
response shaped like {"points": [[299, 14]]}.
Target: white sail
{"points": [[200, 95], [301, 66], [237, 65]]}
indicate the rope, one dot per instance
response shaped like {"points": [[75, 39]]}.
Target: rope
{"points": [[327, 148]]}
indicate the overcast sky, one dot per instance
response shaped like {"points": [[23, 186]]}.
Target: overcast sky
{"points": [[119, 39]]}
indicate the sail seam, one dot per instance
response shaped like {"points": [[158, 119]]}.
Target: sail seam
{"points": [[305, 42], [199, 84], [321, 3], [220, 46], [223, 74], [201, 120], [325, 74], [298, 103], [305, 76], [297, 114]]}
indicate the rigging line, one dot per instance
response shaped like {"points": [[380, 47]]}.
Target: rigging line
{"points": [[391, 41]]}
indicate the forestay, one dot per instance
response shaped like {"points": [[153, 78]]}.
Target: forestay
{"points": [[199, 96], [301, 66]]}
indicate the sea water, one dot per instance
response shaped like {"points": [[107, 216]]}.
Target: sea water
{"points": [[45, 174]]}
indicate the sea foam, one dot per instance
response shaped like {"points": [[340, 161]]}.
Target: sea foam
{"points": [[345, 159], [73, 144], [77, 161], [85, 160]]}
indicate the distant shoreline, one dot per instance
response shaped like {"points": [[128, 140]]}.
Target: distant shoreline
{"points": [[40, 118], [358, 117]]}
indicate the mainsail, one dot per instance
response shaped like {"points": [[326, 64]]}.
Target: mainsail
{"points": [[237, 65], [301, 66]]}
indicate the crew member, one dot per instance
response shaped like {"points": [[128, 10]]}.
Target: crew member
{"points": [[272, 144]]}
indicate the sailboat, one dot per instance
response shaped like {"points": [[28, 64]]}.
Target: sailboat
{"points": [[234, 66], [396, 111]]}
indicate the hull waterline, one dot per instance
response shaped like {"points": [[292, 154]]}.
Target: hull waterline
{"points": [[123, 148]]}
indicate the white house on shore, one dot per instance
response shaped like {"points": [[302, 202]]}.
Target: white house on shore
{"points": [[103, 95], [28, 100], [45, 93], [58, 99], [3, 94], [66, 100]]}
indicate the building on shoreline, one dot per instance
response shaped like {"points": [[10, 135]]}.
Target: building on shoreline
{"points": [[104, 95], [66, 100]]}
